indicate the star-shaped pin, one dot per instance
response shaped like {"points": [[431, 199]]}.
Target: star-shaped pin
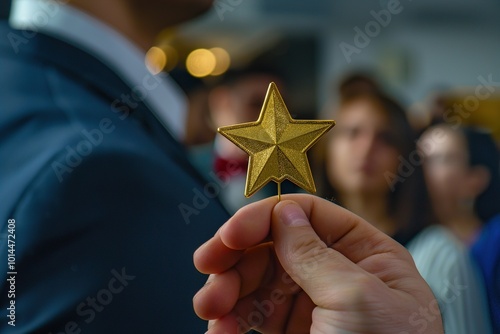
{"points": [[277, 145]]}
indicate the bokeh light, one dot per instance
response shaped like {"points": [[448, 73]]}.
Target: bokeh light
{"points": [[156, 59], [223, 61], [200, 63], [161, 58]]}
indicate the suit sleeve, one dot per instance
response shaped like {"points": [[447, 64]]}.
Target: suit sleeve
{"points": [[107, 248]]}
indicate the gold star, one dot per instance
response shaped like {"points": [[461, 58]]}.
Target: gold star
{"points": [[277, 145]]}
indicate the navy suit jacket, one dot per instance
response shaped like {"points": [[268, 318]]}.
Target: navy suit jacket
{"points": [[107, 209]]}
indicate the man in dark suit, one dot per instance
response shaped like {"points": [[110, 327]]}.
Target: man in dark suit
{"points": [[100, 209]]}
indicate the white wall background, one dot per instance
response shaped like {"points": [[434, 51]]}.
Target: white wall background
{"points": [[413, 58]]}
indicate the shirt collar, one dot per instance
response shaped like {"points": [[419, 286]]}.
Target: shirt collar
{"points": [[75, 27]]}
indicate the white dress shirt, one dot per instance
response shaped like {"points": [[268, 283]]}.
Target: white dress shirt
{"points": [[163, 97]]}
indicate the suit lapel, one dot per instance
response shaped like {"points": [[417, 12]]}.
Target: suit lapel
{"points": [[90, 71]]}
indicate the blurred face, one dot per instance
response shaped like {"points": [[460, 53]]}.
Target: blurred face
{"points": [[246, 99], [361, 150], [446, 169], [240, 103]]}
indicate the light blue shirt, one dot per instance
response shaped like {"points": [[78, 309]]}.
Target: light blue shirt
{"points": [[446, 266]]}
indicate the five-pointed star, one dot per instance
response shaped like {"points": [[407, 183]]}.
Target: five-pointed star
{"points": [[277, 144]]}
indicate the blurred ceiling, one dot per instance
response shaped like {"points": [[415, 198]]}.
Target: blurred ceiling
{"points": [[245, 27]]}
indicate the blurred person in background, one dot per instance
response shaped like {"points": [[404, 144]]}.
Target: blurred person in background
{"points": [[357, 83], [108, 210], [200, 132], [462, 173], [239, 98], [369, 172]]}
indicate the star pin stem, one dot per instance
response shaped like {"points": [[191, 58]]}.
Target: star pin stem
{"points": [[277, 145]]}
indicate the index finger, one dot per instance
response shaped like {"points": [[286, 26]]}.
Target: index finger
{"points": [[337, 227], [222, 251]]}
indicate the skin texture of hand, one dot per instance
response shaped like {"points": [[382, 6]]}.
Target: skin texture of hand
{"points": [[306, 265]]}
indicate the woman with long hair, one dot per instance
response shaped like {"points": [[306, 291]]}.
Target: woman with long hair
{"points": [[373, 169]]}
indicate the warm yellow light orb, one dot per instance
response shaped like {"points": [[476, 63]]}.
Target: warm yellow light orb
{"points": [[156, 59], [223, 60], [200, 63]]}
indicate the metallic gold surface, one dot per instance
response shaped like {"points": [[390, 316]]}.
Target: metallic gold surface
{"points": [[277, 144]]}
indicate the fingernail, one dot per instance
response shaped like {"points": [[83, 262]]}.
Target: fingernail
{"points": [[292, 215]]}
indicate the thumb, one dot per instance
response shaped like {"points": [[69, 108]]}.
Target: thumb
{"points": [[304, 256]]}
